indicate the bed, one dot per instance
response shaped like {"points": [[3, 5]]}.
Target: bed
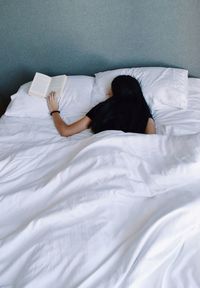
{"points": [[107, 210]]}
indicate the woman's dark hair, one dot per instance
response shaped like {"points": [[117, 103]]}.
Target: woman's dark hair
{"points": [[126, 86], [125, 89]]}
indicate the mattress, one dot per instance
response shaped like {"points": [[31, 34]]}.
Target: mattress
{"points": [[107, 210]]}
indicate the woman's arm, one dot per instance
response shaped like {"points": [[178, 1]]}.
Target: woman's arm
{"points": [[61, 126], [71, 129], [150, 128]]}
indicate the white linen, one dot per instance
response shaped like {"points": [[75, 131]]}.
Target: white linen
{"points": [[109, 210]]}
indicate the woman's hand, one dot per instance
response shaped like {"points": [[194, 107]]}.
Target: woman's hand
{"points": [[151, 127], [52, 101]]}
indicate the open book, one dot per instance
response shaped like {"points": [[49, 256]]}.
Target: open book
{"points": [[42, 85]]}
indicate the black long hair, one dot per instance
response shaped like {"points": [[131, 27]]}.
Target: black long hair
{"points": [[125, 88]]}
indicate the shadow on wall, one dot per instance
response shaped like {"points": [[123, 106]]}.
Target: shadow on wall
{"points": [[19, 78], [3, 104]]}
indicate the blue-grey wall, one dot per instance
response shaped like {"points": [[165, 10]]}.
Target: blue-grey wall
{"points": [[86, 36]]}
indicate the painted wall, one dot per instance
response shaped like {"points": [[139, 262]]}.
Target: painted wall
{"points": [[87, 36]]}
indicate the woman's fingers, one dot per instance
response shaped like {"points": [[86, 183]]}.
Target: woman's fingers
{"points": [[52, 101], [51, 94], [51, 97]]}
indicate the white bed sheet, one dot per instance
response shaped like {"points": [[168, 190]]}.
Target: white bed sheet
{"points": [[108, 210]]}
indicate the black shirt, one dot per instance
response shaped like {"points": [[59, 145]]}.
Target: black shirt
{"points": [[117, 114]]}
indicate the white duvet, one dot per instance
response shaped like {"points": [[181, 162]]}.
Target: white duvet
{"points": [[112, 210]]}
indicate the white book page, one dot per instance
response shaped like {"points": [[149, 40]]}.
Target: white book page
{"points": [[40, 85], [57, 84]]}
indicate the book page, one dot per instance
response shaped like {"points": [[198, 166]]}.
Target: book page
{"points": [[39, 85], [57, 84]]}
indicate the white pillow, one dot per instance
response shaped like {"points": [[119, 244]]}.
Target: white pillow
{"points": [[161, 86], [194, 94], [75, 101]]}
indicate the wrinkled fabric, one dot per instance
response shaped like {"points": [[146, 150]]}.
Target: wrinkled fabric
{"points": [[107, 210]]}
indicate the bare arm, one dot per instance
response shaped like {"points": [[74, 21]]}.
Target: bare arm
{"points": [[71, 129], [63, 128], [150, 128]]}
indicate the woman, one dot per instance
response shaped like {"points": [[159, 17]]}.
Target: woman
{"points": [[125, 110]]}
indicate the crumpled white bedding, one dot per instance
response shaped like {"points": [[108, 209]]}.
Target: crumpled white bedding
{"points": [[114, 210]]}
